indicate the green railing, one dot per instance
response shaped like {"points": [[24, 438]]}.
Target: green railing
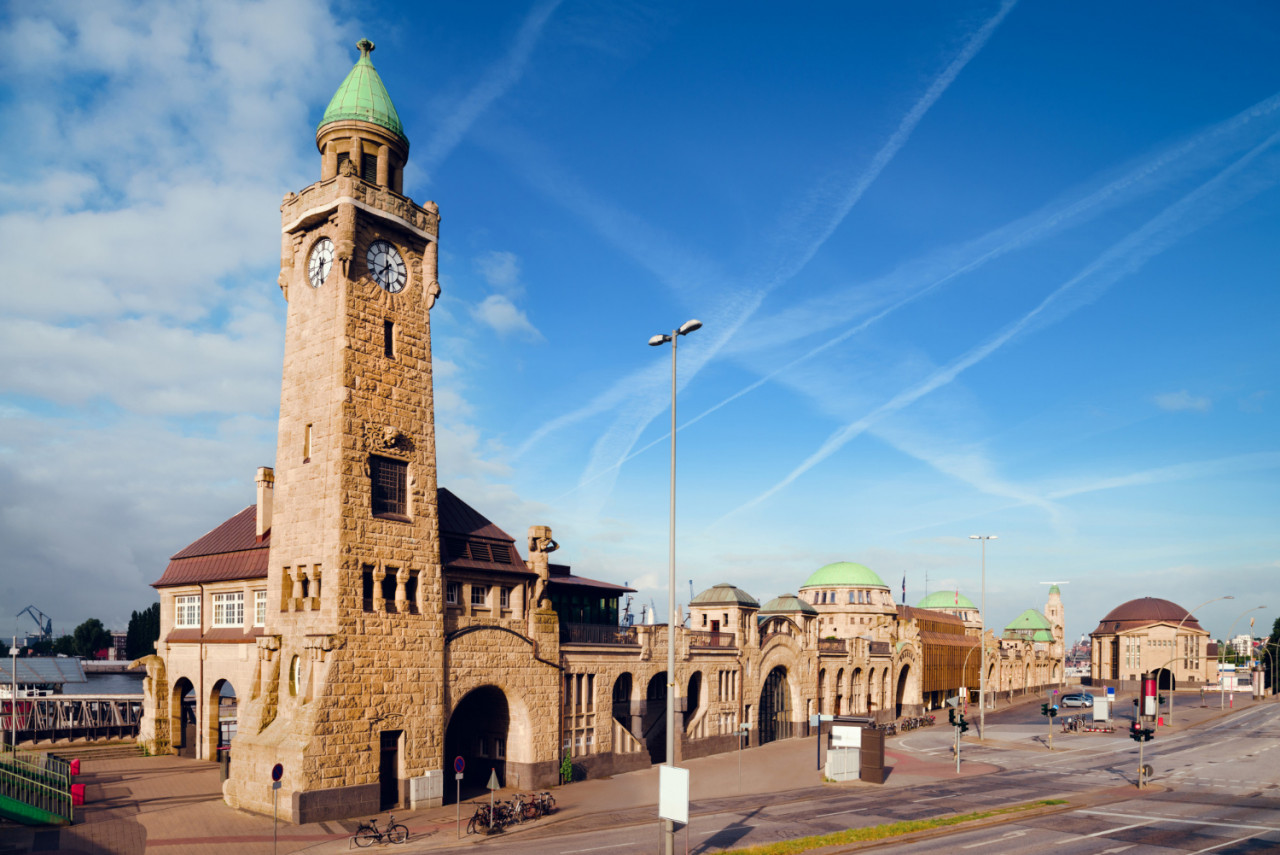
{"points": [[32, 802], [44, 767]]}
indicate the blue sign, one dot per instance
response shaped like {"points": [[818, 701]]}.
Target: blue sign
{"points": [[458, 765], [277, 772]]}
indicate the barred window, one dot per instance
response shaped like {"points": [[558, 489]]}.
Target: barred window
{"points": [[390, 487], [187, 611], [259, 608], [228, 609]]}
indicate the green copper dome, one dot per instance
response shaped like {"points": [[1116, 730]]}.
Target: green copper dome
{"points": [[787, 604], [363, 98], [725, 594], [844, 574], [946, 600], [1029, 620]]}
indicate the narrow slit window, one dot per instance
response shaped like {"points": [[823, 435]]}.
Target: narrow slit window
{"points": [[306, 445], [389, 339], [369, 167]]}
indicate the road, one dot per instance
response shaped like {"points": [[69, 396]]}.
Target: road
{"points": [[1215, 788]]}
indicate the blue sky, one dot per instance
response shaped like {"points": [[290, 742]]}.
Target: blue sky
{"points": [[962, 267]]}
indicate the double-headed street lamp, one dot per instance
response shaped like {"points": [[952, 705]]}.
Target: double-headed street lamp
{"points": [[982, 638], [1174, 681], [1222, 701], [668, 826]]}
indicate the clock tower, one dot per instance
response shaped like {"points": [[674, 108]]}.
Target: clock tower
{"points": [[347, 693]]}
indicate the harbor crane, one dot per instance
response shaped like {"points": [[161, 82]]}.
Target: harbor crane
{"points": [[43, 621]]}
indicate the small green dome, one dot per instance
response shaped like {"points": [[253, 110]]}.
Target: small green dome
{"points": [[946, 600], [788, 604], [363, 98], [725, 594], [844, 574], [1030, 620], [1055, 590]]}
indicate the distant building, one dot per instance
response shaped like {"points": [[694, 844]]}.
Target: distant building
{"points": [[1152, 635]]}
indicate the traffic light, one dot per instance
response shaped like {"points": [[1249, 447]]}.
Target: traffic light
{"points": [[1044, 709], [964, 725], [1053, 711], [1160, 700], [1147, 734], [951, 716], [1135, 732]]}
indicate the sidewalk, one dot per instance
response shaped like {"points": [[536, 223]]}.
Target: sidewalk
{"points": [[173, 805]]}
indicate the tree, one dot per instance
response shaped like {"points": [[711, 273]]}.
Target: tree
{"points": [[90, 637], [143, 633], [1271, 655], [64, 645]]}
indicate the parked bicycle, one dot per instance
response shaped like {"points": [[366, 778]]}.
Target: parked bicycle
{"points": [[368, 833]]}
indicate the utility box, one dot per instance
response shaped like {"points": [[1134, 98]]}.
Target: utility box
{"points": [[427, 790], [872, 756]]}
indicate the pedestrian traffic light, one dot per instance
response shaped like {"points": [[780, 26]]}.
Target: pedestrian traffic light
{"points": [[964, 725], [951, 716], [1160, 700]]}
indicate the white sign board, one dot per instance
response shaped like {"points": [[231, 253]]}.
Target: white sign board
{"points": [[845, 736], [673, 794], [1102, 709]]}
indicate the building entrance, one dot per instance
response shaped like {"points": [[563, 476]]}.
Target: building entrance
{"points": [[775, 707], [477, 732]]}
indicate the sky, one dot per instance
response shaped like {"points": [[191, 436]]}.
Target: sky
{"points": [[962, 268]]}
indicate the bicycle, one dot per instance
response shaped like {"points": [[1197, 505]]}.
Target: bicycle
{"points": [[481, 821], [546, 803], [368, 833]]}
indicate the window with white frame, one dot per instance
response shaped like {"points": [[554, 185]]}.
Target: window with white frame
{"points": [[504, 598], [228, 609], [479, 595], [453, 594], [259, 608], [187, 611]]}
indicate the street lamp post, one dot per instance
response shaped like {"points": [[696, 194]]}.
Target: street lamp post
{"points": [[1222, 701], [982, 638], [1173, 682], [669, 826]]}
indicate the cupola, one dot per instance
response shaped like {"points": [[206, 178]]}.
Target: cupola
{"points": [[360, 131]]}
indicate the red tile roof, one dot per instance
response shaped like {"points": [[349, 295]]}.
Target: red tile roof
{"points": [[230, 551], [561, 577]]}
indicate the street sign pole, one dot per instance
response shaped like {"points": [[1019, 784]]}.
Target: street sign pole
{"points": [[458, 765], [277, 772], [957, 731]]}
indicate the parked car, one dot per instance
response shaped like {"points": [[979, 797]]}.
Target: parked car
{"points": [[1079, 699]]}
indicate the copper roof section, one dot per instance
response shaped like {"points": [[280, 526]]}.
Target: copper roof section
{"points": [[470, 541], [1145, 611], [230, 551]]}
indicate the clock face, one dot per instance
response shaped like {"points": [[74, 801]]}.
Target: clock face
{"points": [[321, 262], [386, 266]]}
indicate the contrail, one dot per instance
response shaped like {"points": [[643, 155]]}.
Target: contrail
{"points": [[500, 77], [1120, 259], [617, 442]]}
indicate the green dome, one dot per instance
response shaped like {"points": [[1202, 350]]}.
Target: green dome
{"points": [[363, 98], [1030, 620], [946, 600], [788, 604], [844, 574], [724, 594]]}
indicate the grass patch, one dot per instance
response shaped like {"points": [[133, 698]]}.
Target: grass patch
{"points": [[880, 832]]}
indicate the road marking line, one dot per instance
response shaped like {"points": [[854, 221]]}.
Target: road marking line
{"points": [[838, 812], [705, 833], [1009, 836], [592, 849], [1228, 843], [932, 799], [1108, 831], [1184, 821]]}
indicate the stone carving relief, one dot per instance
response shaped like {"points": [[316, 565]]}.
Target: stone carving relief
{"points": [[386, 439]]}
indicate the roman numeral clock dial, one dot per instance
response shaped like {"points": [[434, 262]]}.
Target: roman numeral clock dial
{"points": [[386, 266]]}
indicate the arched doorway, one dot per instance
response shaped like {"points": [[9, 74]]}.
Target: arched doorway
{"points": [[693, 698], [856, 693], [655, 717], [182, 718], [622, 704], [822, 690], [220, 726], [838, 703], [775, 707], [477, 732], [902, 690]]}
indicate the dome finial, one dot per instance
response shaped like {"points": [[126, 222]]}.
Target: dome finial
{"points": [[365, 47]]}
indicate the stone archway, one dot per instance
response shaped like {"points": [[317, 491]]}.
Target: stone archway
{"points": [[220, 718], [478, 732], [655, 717], [183, 729], [822, 690], [838, 703], [902, 690], [775, 706], [692, 698]]}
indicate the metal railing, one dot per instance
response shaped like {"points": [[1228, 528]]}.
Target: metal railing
{"points": [[43, 798], [40, 767], [594, 633], [701, 638]]}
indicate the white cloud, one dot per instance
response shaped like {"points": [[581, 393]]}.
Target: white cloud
{"points": [[1182, 401], [502, 271], [499, 313]]}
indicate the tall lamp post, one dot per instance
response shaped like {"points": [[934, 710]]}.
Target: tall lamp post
{"points": [[1222, 701], [982, 638], [1173, 682], [668, 826]]}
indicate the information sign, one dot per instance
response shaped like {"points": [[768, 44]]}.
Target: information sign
{"points": [[844, 736], [673, 794]]}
